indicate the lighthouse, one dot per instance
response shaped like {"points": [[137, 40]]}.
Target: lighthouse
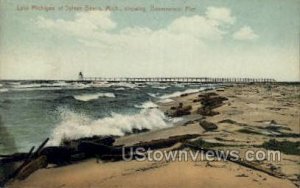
{"points": [[80, 76]]}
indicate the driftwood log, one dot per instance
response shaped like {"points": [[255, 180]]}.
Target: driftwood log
{"points": [[26, 161], [210, 101], [179, 110], [164, 143], [32, 166], [92, 149], [106, 140], [208, 126], [29, 164], [105, 152], [59, 155], [100, 147]]}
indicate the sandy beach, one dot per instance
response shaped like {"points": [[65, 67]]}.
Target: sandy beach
{"points": [[253, 117]]}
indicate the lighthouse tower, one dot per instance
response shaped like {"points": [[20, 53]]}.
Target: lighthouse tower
{"points": [[80, 76]]}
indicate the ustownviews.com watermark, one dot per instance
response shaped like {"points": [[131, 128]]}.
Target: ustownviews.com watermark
{"points": [[142, 154]]}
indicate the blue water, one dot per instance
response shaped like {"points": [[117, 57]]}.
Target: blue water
{"points": [[31, 111]]}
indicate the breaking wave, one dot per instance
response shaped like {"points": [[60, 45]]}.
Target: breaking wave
{"points": [[148, 104], [2, 90], [20, 86], [160, 87], [165, 100], [123, 84], [74, 125], [89, 97], [178, 93], [48, 86], [179, 85]]}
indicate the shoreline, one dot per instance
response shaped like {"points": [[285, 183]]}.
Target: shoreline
{"points": [[243, 120]]}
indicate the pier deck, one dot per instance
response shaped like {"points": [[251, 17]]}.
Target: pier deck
{"points": [[179, 79]]}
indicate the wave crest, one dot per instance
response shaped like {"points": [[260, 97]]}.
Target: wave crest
{"points": [[74, 125], [89, 97], [148, 104], [2, 90], [178, 93]]}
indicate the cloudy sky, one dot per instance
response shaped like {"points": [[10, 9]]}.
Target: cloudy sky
{"points": [[220, 38]]}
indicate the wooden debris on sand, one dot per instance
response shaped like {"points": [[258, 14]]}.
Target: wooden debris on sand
{"points": [[32, 166], [210, 101], [208, 126], [180, 110]]}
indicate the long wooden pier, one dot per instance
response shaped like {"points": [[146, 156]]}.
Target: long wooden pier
{"points": [[179, 79]]}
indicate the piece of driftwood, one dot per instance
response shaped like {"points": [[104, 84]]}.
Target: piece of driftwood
{"points": [[32, 166], [208, 126], [40, 148], [59, 155], [100, 147], [106, 140], [79, 149], [179, 111], [26, 161], [209, 102], [164, 143], [105, 152], [12, 159], [126, 155], [15, 172], [78, 156], [31, 155], [92, 149], [230, 158], [207, 111]]}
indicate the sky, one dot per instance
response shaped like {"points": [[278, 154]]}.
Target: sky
{"points": [[197, 38]]}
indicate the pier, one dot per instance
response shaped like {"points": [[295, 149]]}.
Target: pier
{"points": [[179, 79]]}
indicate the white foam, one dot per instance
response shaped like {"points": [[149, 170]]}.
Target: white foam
{"points": [[179, 85], [160, 87], [165, 100], [74, 125], [99, 84], [178, 93], [43, 86], [124, 84], [35, 89], [79, 86], [58, 84], [14, 83], [116, 84], [94, 96], [148, 104], [2, 90], [120, 89], [152, 94], [26, 86]]}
